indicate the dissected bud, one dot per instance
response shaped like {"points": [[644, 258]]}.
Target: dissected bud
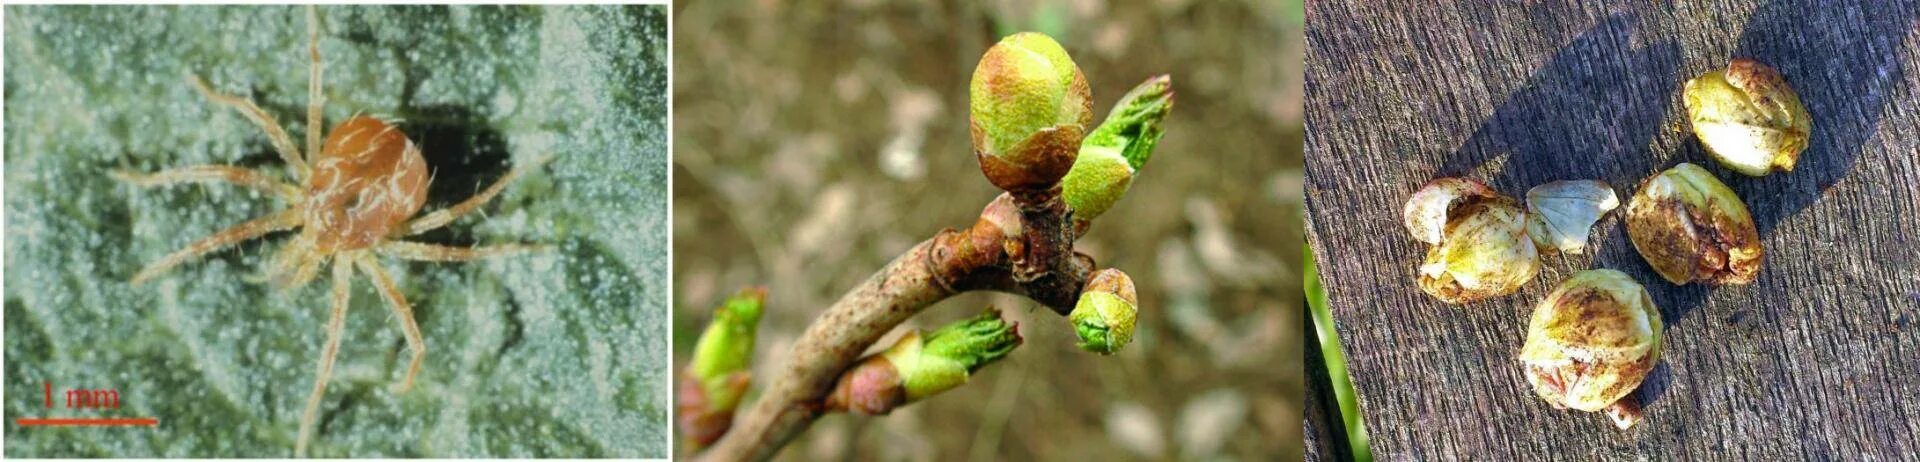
{"points": [[920, 366], [1690, 227], [1427, 212], [1748, 118], [1591, 342], [1485, 251], [1112, 154], [1030, 107], [1104, 317], [717, 376], [1561, 214]]}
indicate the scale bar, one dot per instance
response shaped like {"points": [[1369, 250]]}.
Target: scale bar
{"points": [[88, 422]]}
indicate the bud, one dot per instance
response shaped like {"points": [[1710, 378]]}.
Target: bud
{"points": [[1484, 252], [1591, 342], [1690, 227], [1030, 108], [917, 367], [1104, 317], [1111, 155], [1561, 214], [717, 376], [1748, 118], [727, 345]]}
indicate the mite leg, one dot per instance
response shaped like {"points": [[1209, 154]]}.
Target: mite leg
{"points": [[429, 252], [212, 173], [278, 221], [401, 311], [315, 101], [441, 217], [336, 324], [275, 134]]}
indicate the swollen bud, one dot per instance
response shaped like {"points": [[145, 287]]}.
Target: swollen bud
{"points": [[1105, 316], [1030, 107], [1112, 154]]}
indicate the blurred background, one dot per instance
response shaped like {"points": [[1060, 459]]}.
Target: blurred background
{"points": [[814, 143]]}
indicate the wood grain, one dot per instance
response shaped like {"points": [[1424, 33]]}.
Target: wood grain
{"points": [[1818, 359]]}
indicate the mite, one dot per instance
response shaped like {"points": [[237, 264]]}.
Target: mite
{"points": [[358, 192]]}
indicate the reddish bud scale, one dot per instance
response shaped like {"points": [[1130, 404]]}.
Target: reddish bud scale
{"points": [[872, 388], [699, 422]]}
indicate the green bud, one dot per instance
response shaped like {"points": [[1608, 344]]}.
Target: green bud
{"points": [[1690, 227], [1104, 317], [1030, 107], [1111, 155], [1591, 342], [726, 347], [1748, 118], [944, 358]]}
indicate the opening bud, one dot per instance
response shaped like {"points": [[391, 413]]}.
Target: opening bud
{"points": [[1112, 154], [718, 375], [919, 366]]}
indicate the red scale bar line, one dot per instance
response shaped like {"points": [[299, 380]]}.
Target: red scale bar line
{"points": [[88, 422]]}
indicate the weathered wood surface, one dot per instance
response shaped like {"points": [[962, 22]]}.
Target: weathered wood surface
{"points": [[1819, 359]]}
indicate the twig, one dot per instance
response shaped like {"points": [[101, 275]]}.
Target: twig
{"points": [[950, 263]]}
